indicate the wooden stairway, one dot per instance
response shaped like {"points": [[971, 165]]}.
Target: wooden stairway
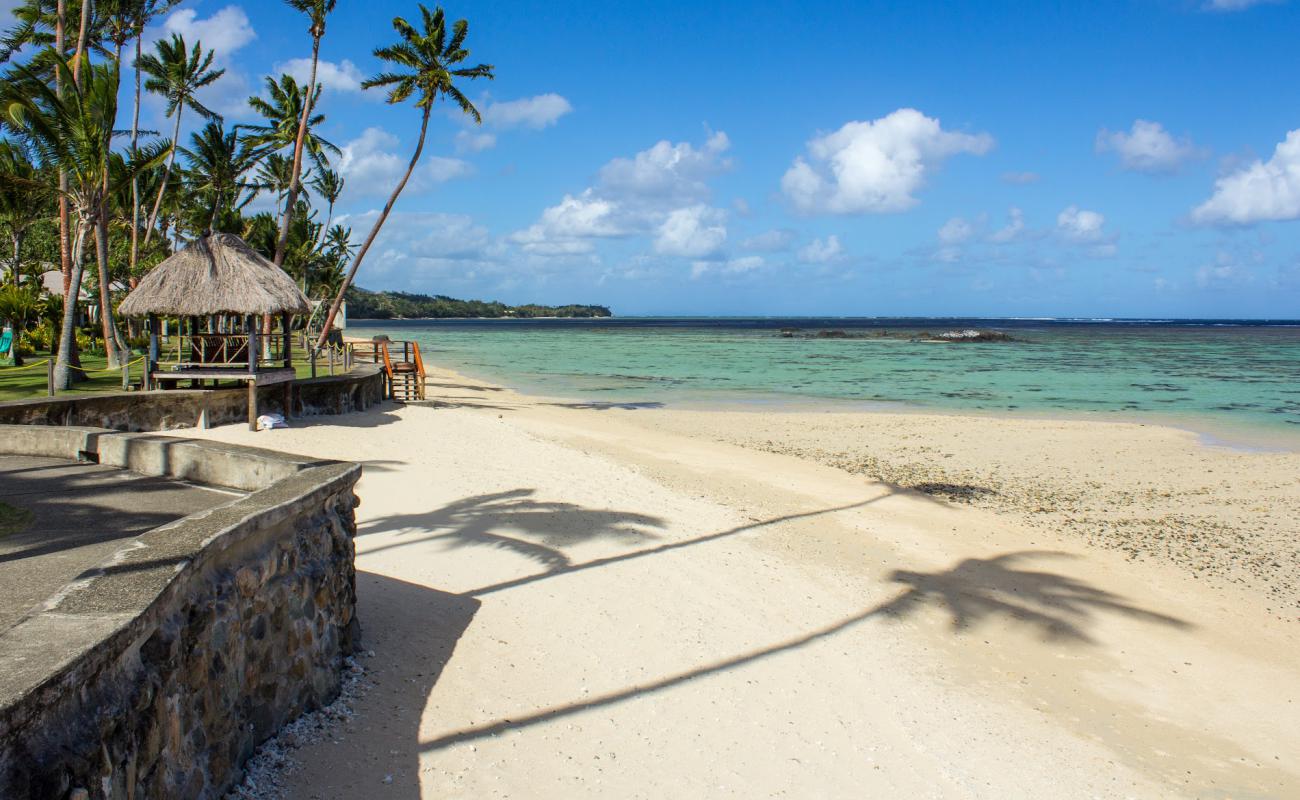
{"points": [[405, 375]]}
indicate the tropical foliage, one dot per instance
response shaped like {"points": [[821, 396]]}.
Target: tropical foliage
{"points": [[401, 305], [88, 196]]}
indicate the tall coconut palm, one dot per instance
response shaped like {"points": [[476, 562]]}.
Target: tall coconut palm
{"points": [[317, 11], [426, 61], [144, 12], [73, 132], [177, 73]]}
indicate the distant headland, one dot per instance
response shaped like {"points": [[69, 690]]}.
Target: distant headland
{"points": [[363, 304]]}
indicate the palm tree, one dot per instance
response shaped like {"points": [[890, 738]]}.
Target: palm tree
{"points": [[177, 75], [428, 61], [24, 193], [282, 108], [329, 185], [144, 12], [317, 11], [73, 132], [217, 163]]}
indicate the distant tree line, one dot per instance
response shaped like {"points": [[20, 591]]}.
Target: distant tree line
{"points": [[364, 304]]}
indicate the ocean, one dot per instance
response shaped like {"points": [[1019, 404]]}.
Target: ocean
{"points": [[1234, 376]]}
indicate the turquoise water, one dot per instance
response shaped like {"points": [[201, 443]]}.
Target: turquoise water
{"points": [[1204, 374]]}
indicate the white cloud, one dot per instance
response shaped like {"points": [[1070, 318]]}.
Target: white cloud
{"points": [[419, 249], [475, 141], [1262, 190], [955, 231], [1080, 225], [528, 112], [692, 232], [564, 228], [876, 166], [224, 32], [371, 166], [1014, 227], [822, 251], [770, 241], [671, 171], [343, 76], [1020, 178], [1147, 147], [660, 192], [734, 266]]}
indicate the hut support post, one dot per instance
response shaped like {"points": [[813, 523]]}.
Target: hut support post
{"points": [[151, 358], [285, 319], [252, 373]]}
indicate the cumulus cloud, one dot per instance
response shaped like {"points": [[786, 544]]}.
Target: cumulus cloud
{"points": [[1080, 225], [1012, 230], [660, 192], [415, 249], [1261, 190], [670, 171], [692, 232], [876, 166], [822, 251], [529, 112], [372, 166], [769, 241], [343, 76], [1147, 147], [224, 32]]}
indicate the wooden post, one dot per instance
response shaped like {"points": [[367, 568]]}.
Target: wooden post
{"points": [[288, 341], [49, 377], [252, 344], [252, 404], [331, 360], [151, 358]]}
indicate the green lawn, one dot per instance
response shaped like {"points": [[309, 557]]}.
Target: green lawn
{"points": [[20, 383]]}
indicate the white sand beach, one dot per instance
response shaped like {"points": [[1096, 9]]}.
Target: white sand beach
{"points": [[584, 601]]}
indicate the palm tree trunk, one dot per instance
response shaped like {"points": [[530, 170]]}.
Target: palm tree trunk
{"points": [[167, 171], [374, 231], [112, 347], [294, 186], [64, 375], [135, 180], [82, 32]]}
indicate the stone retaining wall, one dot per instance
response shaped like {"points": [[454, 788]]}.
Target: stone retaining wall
{"points": [[358, 390], [158, 674]]}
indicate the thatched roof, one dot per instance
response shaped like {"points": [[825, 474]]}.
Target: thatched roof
{"points": [[217, 274]]}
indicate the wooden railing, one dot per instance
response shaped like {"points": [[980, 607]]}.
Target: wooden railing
{"points": [[219, 349]]}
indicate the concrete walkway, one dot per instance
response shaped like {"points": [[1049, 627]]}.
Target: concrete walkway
{"points": [[80, 514]]}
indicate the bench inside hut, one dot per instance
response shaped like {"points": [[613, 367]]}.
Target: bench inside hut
{"points": [[221, 290]]}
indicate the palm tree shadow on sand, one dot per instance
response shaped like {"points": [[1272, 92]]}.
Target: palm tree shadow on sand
{"points": [[972, 592], [478, 521], [977, 590]]}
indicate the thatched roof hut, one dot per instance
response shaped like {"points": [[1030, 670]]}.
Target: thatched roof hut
{"points": [[217, 274]]}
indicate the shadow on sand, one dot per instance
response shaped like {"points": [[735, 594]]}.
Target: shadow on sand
{"points": [[1057, 608]]}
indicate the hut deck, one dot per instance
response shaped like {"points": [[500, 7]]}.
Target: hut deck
{"points": [[262, 377]]}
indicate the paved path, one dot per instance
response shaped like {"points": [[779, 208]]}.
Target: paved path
{"points": [[80, 514]]}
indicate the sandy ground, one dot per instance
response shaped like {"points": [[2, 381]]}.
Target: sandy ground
{"points": [[574, 600]]}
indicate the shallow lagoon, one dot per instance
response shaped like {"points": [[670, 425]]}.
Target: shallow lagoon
{"points": [[1212, 374]]}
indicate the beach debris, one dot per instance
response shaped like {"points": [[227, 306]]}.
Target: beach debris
{"points": [[267, 422]]}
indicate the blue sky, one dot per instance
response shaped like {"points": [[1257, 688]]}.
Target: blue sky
{"points": [[1015, 158]]}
